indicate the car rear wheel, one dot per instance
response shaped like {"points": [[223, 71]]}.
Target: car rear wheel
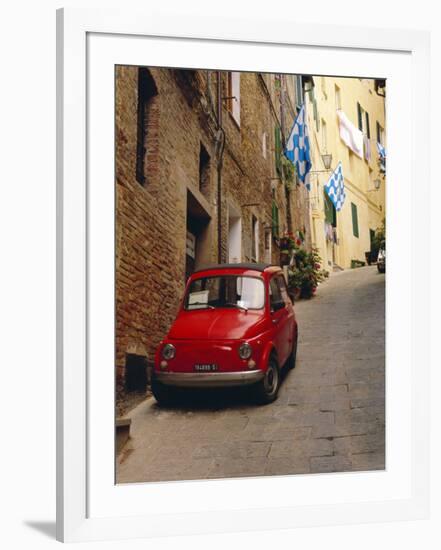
{"points": [[164, 395], [291, 362], [268, 388]]}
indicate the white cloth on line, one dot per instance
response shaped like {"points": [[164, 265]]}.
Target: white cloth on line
{"points": [[350, 134]]}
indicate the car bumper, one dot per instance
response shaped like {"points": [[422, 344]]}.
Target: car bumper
{"points": [[209, 380]]}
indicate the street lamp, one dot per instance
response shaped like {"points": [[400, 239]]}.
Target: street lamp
{"points": [[327, 160], [377, 183]]}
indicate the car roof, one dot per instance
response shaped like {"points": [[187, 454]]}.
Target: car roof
{"points": [[244, 266]]}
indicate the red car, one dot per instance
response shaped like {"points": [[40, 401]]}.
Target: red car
{"points": [[236, 326]]}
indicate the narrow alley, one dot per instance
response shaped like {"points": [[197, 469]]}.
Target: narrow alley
{"points": [[329, 416]]}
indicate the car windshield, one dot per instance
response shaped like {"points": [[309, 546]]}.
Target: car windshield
{"points": [[231, 291]]}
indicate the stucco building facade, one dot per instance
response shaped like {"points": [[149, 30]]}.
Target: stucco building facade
{"points": [[345, 236]]}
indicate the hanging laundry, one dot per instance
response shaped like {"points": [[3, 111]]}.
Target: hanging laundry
{"points": [[367, 148], [350, 134], [382, 154]]}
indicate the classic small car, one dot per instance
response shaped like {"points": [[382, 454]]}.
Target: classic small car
{"points": [[235, 326], [381, 259]]}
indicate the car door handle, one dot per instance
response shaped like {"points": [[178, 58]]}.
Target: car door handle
{"points": [[275, 321]]}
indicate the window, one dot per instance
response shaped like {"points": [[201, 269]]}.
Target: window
{"points": [[316, 117], [330, 212], [204, 170], [254, 239], [360, 112], [147, 91], [275, 219], [264, 144], [299, 92], [225, 291], [268, 245], [354, 220], [278, 150], [380, 134], [323, 85], [276, 299], [314, 109], [363, 120], [233, 93], [324, 137], [234, 235], [337, 98], [283, 290]]}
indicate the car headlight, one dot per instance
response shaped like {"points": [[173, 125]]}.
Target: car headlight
{"points": [[168, 351], [245, 350]]}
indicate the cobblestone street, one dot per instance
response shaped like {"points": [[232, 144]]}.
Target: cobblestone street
{"points": [[329, 415]]}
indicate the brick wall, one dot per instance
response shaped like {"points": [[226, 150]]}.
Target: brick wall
{"points": [[152, 217]]}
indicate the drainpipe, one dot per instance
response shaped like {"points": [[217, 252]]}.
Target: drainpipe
{"points": [[220, 142], [282, 122]]}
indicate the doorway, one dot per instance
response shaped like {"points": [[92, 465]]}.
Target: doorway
{"points": [[234, 235], [197, 249]]}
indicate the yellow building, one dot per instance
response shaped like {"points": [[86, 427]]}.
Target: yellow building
{"points": [[346, 118]]}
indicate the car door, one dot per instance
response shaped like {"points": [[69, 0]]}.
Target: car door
{"points": [[279, 319]]}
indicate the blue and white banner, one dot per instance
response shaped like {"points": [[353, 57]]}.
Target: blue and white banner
{"points": [[381, 150], [336, 188], [382, 154], [297, 148]]}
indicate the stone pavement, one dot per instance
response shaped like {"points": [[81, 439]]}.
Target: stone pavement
{"points": [[329, 416]]}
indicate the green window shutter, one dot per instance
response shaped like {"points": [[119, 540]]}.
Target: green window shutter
{"points": [[354, 220], [316, 117], [278, 150], [360, 117], [275, 219], [378, 132]]}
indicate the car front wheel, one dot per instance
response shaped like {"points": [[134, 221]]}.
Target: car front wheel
{"points": [[268, 388], [291, 362]]}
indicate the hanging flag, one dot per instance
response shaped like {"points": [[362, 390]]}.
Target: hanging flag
{"points": [[297, 148], [381, 150], [336, 188], [350, 134], [382, 154]]}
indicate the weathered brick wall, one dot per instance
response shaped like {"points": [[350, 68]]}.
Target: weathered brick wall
{"points": [[151, 219]]}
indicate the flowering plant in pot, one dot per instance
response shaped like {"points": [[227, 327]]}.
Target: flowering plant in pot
{"points": [[295, 281], [306, 274], [289, 245]]}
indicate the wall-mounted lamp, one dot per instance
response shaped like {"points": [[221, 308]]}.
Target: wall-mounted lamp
{"points": [[327, 160], [377, 184]]}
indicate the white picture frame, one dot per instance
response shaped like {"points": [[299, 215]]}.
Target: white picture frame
{"points": [[87, 504]]}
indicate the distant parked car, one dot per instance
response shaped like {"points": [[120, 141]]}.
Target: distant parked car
{"points": [[381, 259], [236, 327]]}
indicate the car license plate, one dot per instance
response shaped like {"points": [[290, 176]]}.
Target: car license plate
{"points": [[206, 367]]}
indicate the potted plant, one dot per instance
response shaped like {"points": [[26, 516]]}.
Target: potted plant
{"points": [[295, 281]]}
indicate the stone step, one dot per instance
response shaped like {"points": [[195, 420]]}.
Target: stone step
{"points": [[122, 432]]}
